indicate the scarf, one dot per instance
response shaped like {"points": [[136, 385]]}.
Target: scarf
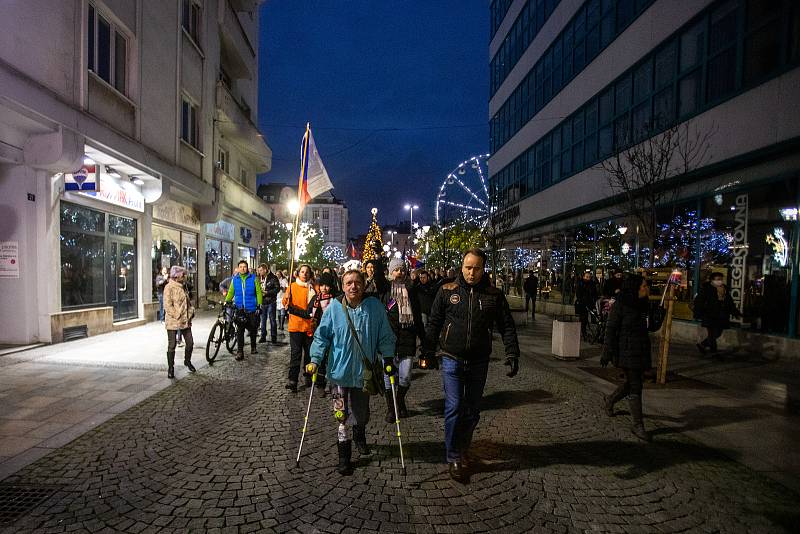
{"points": [[400, 295], [308, 285]]}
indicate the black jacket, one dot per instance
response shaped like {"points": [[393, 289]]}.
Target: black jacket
{"points": [[585, 295], [462, 318], [627, 341], [426, 293], [712, 311], [270, 288], [531, 285], [406, 345]]}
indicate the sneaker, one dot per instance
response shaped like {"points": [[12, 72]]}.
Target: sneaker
{"points": [[181, 343]]}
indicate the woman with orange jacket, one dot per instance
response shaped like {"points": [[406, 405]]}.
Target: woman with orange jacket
{"points": [[299, 301]]}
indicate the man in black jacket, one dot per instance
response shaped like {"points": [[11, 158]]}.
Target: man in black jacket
{"points": [[531, 287], [461, 322], [270, 286], [426, 292]]}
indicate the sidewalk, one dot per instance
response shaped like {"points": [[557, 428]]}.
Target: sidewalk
{"points": [[744, 406], [52, 394]]}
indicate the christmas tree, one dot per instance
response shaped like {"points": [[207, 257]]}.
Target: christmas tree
{"points": [[373, 243]]}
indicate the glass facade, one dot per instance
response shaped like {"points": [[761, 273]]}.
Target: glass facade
{"points": [[595, 25], [749, 234], [172, 246], [98, 261], [219, 263], [694, 70], [497, 12]]}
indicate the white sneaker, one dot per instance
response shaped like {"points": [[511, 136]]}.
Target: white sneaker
{"points": [[181, 344]]}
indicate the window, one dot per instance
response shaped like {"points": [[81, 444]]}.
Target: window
{"points": [[315, 214], [107, 50], [243, 175], [325, 214], [223, 160], [190, 20], [190, 129]]}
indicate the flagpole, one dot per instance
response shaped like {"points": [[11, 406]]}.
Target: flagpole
{"points": [[300, 203]]}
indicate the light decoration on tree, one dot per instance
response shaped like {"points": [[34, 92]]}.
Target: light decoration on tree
{"points": [[333, 253], [524, 258], [304, 233], [373, 243]]}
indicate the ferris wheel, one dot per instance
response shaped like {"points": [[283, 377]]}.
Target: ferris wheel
{"points": [[463, 196]]}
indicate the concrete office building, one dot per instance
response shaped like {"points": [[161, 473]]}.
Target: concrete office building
{"points": [[127, 144], [574, 82]]}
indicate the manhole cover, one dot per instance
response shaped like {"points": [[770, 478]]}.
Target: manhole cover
{"points": [[18, 500]]}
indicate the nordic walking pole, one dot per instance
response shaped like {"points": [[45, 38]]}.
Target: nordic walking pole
{"points": [[305, 419], [397, 423]]}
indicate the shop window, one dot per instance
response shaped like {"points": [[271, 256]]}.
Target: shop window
{"points": [[83, 256], [190, 127], [121, 226], [107, 50]]}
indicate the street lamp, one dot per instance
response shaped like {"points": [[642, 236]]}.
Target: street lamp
{"points": [[411, 208], [293, 206]]}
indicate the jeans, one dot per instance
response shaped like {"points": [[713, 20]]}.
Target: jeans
{"points": [[403, 366], [282, 314], [172, 339], [160, 305], [463, 385], [300, 345], [268, 310]]}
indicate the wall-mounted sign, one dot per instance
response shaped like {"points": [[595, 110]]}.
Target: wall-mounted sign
{"points": [[118, 192], [176, 213], [221, 230], [739, 249], [9, 259], [84, 179]]}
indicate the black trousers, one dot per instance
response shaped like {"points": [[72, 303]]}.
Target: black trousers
{"points": [[714, 333], [187, 338], [530, 297], [251, 324], [634, 380], [300, 345]]}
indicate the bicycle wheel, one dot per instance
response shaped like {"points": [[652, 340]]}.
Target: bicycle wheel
{"points": [[215, 338], [230, 338]]}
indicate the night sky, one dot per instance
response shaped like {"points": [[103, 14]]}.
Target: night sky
{"points": [[354, 67]]}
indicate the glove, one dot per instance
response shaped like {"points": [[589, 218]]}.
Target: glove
{"points": [[311, 369], [389, 368], [513, 362]]}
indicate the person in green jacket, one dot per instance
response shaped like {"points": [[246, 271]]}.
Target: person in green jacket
{"points": [[345, 362], [245, 292]]}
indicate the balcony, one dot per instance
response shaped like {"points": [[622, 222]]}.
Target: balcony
{"points": [[236, 126], [238, 55], [238, 198]]}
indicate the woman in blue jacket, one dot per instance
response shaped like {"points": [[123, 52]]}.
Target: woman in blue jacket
{"points": [[334, 337]]}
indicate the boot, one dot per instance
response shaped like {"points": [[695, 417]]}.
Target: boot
{"points": [[390, 416], [612, 399], [344, 468], [187, 361], [635, 403], [360, 439], [171, 364], [253, 349], [240, 354], [401, 402]]}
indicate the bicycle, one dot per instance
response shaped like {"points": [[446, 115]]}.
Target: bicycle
{"points": [[224, 330]]}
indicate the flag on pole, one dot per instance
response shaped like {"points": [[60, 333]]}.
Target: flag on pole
{"points": [[314, 179]]}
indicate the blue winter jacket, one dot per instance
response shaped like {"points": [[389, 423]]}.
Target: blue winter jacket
{"points": [[345, 362]]}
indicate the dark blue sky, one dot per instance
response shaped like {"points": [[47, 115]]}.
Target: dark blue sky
{"points": [[353, 66]]}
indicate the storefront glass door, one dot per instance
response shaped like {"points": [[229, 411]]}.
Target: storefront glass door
{"points": [[122, 280]]}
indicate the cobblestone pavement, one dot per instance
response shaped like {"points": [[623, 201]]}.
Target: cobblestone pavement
{"points": [[215, 452]]}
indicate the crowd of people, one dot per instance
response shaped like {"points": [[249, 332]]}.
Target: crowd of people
{"points": [[357, 333]]}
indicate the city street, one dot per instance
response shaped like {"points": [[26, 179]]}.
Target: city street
{"points": [[215, 452]]}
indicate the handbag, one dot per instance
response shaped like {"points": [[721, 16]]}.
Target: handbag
{"points": [[372, 371]]}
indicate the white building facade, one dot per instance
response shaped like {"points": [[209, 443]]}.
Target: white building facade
{"points": [[127, 144], [574, 82]]}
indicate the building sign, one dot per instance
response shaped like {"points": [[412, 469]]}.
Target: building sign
{"points": [[221, 230], [117, 192], [739, 249], [176, 213], [246, 234], [9, 259], [84, 179]]}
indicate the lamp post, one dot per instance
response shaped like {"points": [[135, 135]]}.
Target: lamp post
{"points": [[411, 208]]}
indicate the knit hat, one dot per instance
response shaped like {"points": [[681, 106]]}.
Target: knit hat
{"points": [[326, 279], [396, 263], [176, 270]]}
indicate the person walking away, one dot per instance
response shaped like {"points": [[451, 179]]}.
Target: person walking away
{"points": [[270, 286], [626, 344], [402, 307], [462, 317], [426, 292], [585, 299], [352, 329], [299, 301], [713, 306], [161, 282], [283, 280], [178, 315], [245, 292], [531, 287]]}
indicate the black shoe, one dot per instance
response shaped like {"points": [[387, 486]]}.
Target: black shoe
{"points": [[291, 386], [253, 350], [345, 468], [170, 372], [360, 439], [189, 366], [701, 348], [274, 340], [458, 472], [239, 356], [262, 340]]}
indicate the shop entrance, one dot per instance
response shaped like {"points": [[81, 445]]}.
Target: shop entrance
{"points": [[122, 277]]}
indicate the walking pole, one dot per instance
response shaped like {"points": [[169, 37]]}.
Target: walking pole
{"points": [[397, 423], [305, 419]]}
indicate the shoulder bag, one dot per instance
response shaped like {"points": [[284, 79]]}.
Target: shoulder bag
{"points": [[372, 371]]}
